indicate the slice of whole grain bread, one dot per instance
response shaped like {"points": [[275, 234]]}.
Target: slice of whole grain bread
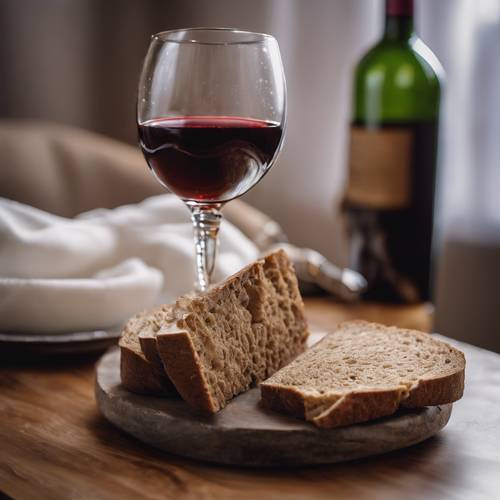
{"points": [[237, 334], [364, 371], [142, 371]]}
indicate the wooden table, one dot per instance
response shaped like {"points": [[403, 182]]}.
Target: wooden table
{"points": [[54, 443]]}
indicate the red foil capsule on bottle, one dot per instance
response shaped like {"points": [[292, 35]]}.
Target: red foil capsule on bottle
{"points": [[399, 7]]}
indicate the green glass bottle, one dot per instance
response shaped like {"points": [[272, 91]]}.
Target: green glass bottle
{"points": [[389, 196]]}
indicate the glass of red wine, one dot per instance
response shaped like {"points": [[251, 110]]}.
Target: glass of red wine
{"points": [[211, 116]]}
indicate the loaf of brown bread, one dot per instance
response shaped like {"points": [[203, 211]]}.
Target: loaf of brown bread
{"points": [[363, 371], [236, 335]]}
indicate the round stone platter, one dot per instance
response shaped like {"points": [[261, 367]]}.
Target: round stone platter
{"points": [[245, 434]]}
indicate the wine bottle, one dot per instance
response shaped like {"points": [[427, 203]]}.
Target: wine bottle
{"points": [[389, 195]]}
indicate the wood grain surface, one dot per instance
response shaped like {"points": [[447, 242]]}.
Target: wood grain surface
{"points": [[55, 444]]}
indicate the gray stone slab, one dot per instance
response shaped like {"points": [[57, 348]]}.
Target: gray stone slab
{"points": [[245, 434]]}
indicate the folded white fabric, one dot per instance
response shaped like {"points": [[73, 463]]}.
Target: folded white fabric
{"points": [[96, 270]]}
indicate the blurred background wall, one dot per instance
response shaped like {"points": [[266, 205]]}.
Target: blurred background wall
{"points": [[78, 62]]}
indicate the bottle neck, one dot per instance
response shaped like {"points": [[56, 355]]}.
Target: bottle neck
{"points": [[398, 20]]}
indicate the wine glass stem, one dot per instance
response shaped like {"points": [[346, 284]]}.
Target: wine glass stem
{"points": [[206, 222]]}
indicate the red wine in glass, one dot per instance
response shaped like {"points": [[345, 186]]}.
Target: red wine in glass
{"points": [[209, 159]]}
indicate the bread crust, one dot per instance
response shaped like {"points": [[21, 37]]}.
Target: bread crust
{"points": [[436, 390], [283, 399], [357, 407]]}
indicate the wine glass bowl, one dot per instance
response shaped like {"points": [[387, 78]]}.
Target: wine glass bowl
{"points": [[211, 116]]}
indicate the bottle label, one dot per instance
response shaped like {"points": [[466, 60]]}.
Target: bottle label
{"points": [[379, 167]]}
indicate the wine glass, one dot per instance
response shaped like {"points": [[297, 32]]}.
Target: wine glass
{"points": [[211, 117]]}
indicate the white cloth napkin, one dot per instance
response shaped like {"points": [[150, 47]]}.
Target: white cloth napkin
{"points": [[98, 269]]}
